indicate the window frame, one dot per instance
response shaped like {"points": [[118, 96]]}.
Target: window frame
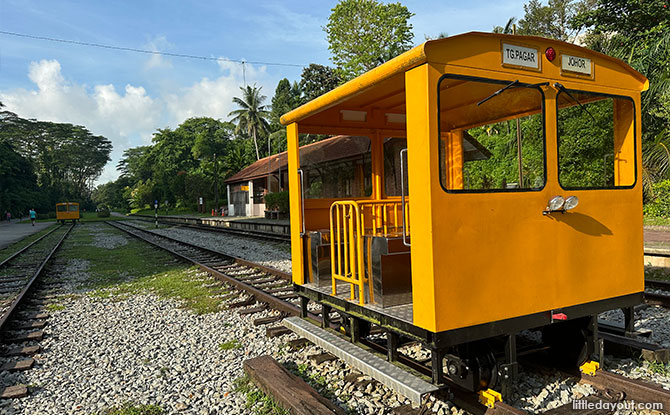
{"points": [[558, 145], [501, 82]]}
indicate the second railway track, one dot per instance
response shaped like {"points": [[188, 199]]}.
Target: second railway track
{"points": [[21, 316]]}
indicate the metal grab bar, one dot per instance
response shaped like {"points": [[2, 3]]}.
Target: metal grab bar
{"points": [[403, 154], [346, 249], [384, 216], [302, 199]]}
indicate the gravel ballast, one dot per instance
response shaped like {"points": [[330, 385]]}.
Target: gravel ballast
{"points": [[103, 351]]}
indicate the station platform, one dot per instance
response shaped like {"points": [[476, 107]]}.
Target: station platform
{"points": [[245, 223], [14, 231]]}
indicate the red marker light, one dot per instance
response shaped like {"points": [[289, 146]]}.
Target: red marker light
{"points": [[559, 316], [550, 53]]}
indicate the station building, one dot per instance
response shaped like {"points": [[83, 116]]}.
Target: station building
{"points": [[321, 160]]}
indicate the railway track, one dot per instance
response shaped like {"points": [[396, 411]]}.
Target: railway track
{"points": [[255, 234], [273, 288], [657, 292], [263, 284], [19, 325]]}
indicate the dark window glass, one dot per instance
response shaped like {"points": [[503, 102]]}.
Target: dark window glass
{"points": [[62, 208], [595, 141], [73, 208], [491, 135], [392, 147], [338, 167]]}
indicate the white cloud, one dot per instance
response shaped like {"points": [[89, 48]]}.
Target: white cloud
{"points": [[158, 44], [128, 117]]}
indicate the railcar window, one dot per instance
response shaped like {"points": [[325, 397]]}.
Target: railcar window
{"points": [[62, 208], [596, 141], [337, 167], [392, 147], [73, 208], [491, 137]]}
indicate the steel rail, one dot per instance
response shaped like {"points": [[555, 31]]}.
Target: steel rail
{"points": [[240, 261], [657, 299], [466, 400], [260, 295], [663, 285], [9, 312], [14, 255]]}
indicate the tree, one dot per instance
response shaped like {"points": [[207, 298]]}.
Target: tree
{"points": [[632, 19], [286, 98], [211, 138], [316, 80], [553, 20], [66, 158], [363, 34], [252, 115], [508, 29]]}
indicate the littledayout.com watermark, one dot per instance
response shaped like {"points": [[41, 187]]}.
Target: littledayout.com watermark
{"points": [[578, 404]]}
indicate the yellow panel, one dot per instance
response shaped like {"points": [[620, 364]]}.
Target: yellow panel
{"points": [[624, 157], [499, 257], [294, 202], [420, 84]]}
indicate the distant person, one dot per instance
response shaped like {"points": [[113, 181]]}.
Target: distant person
{"points": [[33, 216], [9, 217]]}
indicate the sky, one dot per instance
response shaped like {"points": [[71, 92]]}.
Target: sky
{"points": [[126, 96]]}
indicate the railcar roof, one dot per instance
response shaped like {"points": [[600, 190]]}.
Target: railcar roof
{"points": [[382, 88]]}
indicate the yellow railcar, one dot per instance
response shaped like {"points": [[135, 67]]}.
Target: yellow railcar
{"points": [[494, 186], [67, 211]]}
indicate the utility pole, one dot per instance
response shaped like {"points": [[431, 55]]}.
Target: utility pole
{"points": [[216, 184]]}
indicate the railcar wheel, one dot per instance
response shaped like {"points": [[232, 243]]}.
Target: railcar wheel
{"points": [[568, 343], [472, 366]]}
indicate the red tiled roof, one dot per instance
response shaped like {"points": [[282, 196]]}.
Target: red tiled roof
{"points": [[334, 148]]}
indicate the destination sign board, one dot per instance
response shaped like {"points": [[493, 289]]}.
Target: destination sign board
{"points": [[576, 64], [520, 56]]}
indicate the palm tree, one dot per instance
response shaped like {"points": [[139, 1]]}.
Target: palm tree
{"points": [[252, 114]]}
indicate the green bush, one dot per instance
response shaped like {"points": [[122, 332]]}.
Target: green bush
{"points": [[277, 201], [270, 200], [659, 206]]}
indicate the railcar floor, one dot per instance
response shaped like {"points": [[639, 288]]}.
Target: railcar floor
{"points": [[402, 312]]}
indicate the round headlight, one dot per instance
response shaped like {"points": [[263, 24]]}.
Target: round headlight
{"points": [[571, 203], [556, 203]]}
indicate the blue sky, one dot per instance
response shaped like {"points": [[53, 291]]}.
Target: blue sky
{"points": [[126, 96]]}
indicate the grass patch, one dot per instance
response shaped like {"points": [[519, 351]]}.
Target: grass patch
{"points": [[657, 273], [10, 250], [138, 267], [261, 403], [655, 221], [230, 345], [55, 307], [659, 368], [129, 408], [109, 267]]}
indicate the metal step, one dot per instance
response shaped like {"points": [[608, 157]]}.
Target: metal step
{"points": [[384, 372]]}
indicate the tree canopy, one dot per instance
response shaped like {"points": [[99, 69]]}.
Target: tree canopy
{"points": [[363, 34], [45, 162]]}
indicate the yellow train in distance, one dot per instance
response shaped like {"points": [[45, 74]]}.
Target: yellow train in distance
{"points": [[67, 211], [474, 188]]}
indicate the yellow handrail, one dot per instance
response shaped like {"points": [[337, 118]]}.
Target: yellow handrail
{"points": [[385, 216], [346, 248], [348, 221]]}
